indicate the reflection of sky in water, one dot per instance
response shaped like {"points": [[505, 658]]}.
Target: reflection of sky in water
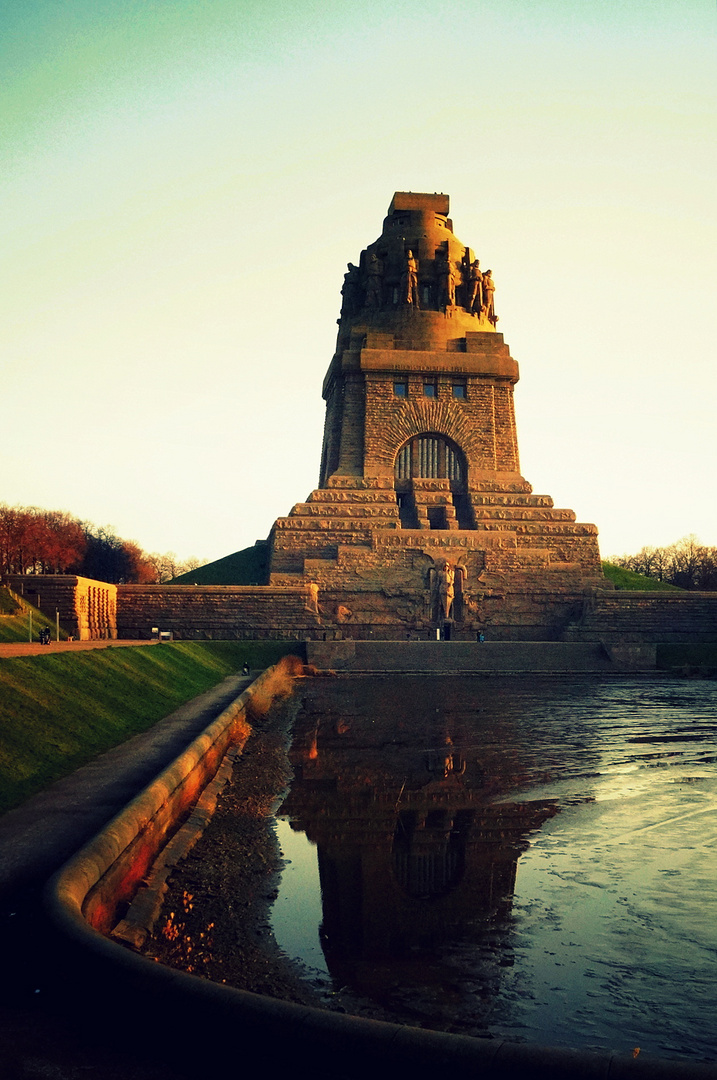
{"points": [[296, 914], [615, 913], [611, 939]]}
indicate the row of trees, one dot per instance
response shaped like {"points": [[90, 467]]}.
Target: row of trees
{"points": [[34, 541], [686, 563]]}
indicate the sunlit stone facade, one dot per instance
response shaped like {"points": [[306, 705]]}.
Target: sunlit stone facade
{"points": [[420, 475]]}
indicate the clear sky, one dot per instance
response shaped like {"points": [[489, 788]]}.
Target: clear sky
{"points": [[184, 182]]}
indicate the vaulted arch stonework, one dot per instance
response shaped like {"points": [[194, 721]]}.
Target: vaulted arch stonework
{"points": [[420, 463], [414, 417], [432, 457]]}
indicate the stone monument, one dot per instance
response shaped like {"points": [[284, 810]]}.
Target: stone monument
{"points": [[422, 521]]}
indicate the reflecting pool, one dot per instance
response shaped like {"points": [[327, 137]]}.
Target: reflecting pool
{"points": [[527, 858]]}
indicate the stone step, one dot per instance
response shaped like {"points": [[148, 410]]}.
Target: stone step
{"points": [[481, 498], [346, 510], [335, 524], [494, 657], [334, 497], [521, 513]]}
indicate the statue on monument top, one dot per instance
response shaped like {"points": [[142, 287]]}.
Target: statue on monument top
{"points": [[488, 289], [351, 292], [475, 287], [374, 274], [446, 279], [387, 276], [409, 281]]}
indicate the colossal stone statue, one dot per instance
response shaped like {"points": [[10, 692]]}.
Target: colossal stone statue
{"points": [[488, 290], [443, 578], [446, 280], [410, 281], [374, 273], [475, 287], [351, 292]]}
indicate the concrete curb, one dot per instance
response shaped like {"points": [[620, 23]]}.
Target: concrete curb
{"points": [[106, 980]]}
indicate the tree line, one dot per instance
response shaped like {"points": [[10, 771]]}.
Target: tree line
{"points": [[687, 563], [35, 541]]}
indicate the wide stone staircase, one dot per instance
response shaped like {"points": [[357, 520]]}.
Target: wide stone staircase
{"points": [[445, 657]]}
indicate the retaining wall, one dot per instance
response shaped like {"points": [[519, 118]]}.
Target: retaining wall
{"points": [[627, 616], [221, 612], [87, 609], [92, 609]]}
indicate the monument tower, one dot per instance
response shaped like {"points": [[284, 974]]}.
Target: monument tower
{"points": [[422, 520]]}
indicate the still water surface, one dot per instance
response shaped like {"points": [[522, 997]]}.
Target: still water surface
{"points": [[529, 858]]}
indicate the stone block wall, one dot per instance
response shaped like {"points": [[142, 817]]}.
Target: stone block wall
{"points": [[482, 424], [87, 608], [222, 612], [635, 617], [352, 597]]}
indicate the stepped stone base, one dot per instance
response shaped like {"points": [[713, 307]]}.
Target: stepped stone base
{"points": [[522, 565]]}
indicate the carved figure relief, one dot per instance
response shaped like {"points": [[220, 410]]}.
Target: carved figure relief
{"points": [[312, 601], [351, 292], [446, 281], [475, 287], [409, 281], [446, 589], [443, 579], [374, 274], [488, 290]]}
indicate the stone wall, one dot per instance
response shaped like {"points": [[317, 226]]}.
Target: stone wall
{"points": [[624, 616], [87, 608], [381, 605], [198, 612]]}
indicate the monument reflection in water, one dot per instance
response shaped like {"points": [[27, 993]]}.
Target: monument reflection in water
{"points": [[422, 794]]}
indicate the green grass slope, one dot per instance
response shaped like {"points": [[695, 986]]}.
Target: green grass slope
{"points": [[628, 579], [60, 710], [246, 567], [15, 621]]}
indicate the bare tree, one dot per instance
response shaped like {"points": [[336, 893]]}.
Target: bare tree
{"points": [[687, 563]]}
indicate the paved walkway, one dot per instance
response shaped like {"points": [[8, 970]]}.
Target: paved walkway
{"points": [[31, 648], [35, 840], [40, 835]]}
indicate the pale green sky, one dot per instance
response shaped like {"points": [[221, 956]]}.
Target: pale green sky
{"points": [[183, 184]]}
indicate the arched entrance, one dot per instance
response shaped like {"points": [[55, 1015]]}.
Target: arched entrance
{"points": [[432, 457]]}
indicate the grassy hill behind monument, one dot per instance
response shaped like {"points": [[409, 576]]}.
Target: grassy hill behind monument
{"points": [[246, 567], [628, 579]]}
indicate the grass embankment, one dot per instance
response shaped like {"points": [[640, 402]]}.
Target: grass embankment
{"points": [[15, 619], [628, 579], [58, 711]]}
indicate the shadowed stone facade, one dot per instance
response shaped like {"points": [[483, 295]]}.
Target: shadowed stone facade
{"points": [[420, 477]]}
